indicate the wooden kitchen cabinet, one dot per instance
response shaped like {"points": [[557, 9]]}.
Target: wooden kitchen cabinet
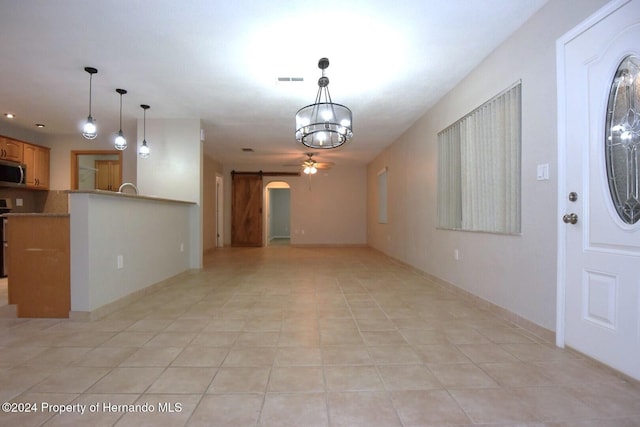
{"points": [[10, 149], [36, 159], [39, 281], [108, 175]]}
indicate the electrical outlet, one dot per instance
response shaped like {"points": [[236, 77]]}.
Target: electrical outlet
{"points": [[19, 202], [181, 247], [456, 254], [120, 262]]}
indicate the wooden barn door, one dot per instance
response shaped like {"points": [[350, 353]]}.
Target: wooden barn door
{"points": [[246, 208]]}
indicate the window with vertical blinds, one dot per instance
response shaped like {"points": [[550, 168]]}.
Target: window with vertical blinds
{"points": [[479, 167]]}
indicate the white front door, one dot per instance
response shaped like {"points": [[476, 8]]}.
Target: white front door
{"points": [[599, 203]]}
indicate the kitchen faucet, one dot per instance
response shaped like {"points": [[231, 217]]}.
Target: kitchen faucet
{"points": [[128, 184]]}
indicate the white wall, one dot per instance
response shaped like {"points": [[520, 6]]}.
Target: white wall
{"points": [[330, 208], [517, 273], [174, 168], [62, 145], [12, 131]]}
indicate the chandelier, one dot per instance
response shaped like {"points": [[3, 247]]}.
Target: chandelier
{"points": [[323, 124]]}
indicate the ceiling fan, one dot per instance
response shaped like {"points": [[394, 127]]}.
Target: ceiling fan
{"points": [[310, 166]]}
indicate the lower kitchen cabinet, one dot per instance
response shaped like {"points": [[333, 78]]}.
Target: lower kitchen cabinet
{"points": [[39, 264]]}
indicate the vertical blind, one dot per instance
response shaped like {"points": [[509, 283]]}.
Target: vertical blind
{"points": [[479, 167]]}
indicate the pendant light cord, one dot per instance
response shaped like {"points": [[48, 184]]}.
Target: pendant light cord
{"points": [[90, 84]]}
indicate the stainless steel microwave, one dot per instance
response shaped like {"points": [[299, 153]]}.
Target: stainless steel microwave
{"points": [[12, 174]]}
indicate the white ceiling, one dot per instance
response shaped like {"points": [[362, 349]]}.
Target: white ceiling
{"points": [[219, 61]]}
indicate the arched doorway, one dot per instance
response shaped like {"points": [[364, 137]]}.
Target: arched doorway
{"points": [[278, 218]]}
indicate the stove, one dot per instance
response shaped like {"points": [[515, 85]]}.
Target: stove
{"points": [[5, 207]]}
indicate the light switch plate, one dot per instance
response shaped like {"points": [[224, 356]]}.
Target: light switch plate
{"points": [[543, 172]]}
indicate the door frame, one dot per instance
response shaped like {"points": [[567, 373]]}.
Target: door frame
{"points": [[219, 211], [273, 185], [561, 272]]}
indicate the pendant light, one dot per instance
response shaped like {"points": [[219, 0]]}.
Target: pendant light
{"points": [[89, 131], [121, 142], [144, 152]]}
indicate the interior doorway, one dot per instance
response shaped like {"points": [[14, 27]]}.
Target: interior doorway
{"points": [[278, 218], [219, 212], [89, 170]]}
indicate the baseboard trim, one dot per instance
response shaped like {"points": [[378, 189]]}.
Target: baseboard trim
{"points": [[105, 310], [329, 245], [540, 332]]}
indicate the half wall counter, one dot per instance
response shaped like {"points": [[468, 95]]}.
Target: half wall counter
{"points": [[124, 245]]}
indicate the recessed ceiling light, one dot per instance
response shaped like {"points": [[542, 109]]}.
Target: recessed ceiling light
{"points": [[9, 115], [39, 125]]}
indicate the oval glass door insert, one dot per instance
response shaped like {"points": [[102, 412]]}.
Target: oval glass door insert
{"points": [[622, 140]]}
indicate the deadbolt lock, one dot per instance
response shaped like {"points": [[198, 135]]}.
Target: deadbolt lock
{"points": [[573, 196]]}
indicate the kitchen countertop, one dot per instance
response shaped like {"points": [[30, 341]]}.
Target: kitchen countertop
{"points": [[98, 192], [7, 215], [128, 195]]}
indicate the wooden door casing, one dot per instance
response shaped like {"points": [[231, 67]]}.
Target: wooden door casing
{"points": [[246, 209]]}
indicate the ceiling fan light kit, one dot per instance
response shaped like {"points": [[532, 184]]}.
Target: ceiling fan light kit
{"points": [[324, 124], [310, 166]]}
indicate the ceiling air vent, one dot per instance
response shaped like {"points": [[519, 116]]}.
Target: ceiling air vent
{"points": [[248, 150], [290, 79]]}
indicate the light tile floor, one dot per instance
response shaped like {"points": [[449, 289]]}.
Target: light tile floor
{"points": [[301, 337]]}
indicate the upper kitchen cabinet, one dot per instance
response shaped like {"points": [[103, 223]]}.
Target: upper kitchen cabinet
{"points": [[11, 150], [36, 159], [108, 175]]}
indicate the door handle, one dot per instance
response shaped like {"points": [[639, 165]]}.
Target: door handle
{"points": [[570, 218]]}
